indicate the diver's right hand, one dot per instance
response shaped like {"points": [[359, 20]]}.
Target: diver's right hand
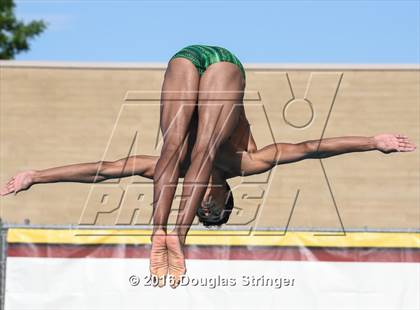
{"points": [[20, 182]]}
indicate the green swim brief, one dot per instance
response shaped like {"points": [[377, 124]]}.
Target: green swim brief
{"points": [[203, 56]]}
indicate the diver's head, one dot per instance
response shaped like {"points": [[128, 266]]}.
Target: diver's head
{"points": [[217, 205]]}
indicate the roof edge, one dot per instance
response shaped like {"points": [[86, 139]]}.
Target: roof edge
{"points": [[160, 66]]}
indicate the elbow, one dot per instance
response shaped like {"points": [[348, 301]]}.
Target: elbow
{"points": [[105, 169], [309, 148], [150, 168]]}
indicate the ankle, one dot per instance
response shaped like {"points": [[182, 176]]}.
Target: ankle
{"points": [[180, 233], [158, 231], [182, 239], [159, 228]]}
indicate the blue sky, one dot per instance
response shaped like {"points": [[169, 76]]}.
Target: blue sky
{"points": [[256, 31]]}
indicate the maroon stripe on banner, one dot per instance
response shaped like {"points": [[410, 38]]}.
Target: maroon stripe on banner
{"points": [[220, 252]]}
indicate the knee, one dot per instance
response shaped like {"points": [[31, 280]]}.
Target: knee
{"points": [[173, 146], [204, 150]]}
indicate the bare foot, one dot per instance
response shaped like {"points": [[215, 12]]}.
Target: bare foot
{"points": [[159, 258], [176, 259], [20, 182], [388, 143]]}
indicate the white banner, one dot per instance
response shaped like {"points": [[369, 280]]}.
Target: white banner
{"points": [[106, 283]]}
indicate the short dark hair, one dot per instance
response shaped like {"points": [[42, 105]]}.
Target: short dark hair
{"points": [[212, 216]]}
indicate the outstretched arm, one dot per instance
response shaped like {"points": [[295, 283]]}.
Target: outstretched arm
{"points": [[142, 165], [284, 153]]}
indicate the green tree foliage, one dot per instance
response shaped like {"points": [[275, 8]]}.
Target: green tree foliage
{"points": [[15, 34]]}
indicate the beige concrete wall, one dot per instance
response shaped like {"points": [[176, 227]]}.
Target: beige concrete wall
{"points": [[56, 116]]}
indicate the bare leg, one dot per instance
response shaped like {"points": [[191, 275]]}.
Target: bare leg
{"points": [[219, 102], [179, 96], [178, 102], [219, 105]]}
